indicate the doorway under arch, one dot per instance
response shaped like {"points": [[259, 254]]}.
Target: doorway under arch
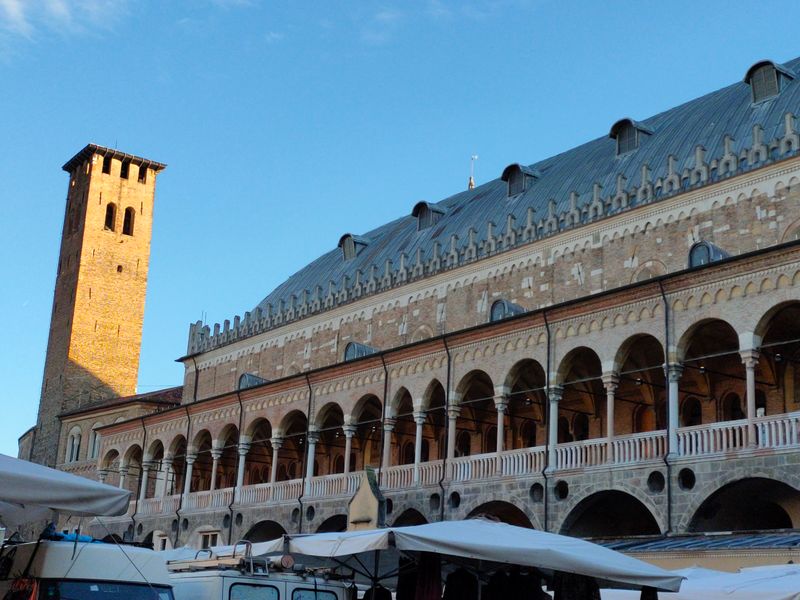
{"points": [[610, 513]]}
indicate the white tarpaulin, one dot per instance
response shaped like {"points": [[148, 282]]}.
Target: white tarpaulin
{"points": [[779, 582], [256, 549], [29, 491], [493, 542]]}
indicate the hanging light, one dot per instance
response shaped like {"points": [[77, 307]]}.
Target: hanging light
{"points": [[778, 357], [702, 368]]}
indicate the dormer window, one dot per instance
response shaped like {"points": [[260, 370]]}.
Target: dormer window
{"points": [[703, 253], [765, 79], [354, 350], [628, 134], [502, 309], [248, 380], [427, 214], [351, 245], [518, 178]]}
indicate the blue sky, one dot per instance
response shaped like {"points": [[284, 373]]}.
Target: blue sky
{"points": [[287, 124]]}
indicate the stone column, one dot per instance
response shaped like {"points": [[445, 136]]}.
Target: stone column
{"points": [[102, 474], [452, 419], [216, 454], [419, 420], [750, 360], [610, 382], [123, 473], [312, 438], [349, 432], [388, 428], [145, 475], [674, 372], [187, 477], [501, 405], [243, 449], [555, 394], [276, 443], [166, 471]]}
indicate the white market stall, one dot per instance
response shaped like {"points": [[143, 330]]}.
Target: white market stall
{"points": [[30, 492]]}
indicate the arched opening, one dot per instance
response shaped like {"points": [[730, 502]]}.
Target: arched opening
{"points": [[433, 438], [367, 417], [264, 531], [754, 503], [333, 524], [258, 465], [408, 517], [110, 466], [505, 512], [732, 407], [111, 217], [610, 513], [201, 470], [155, 474], [331, 445], [127, 223], [711, 362], [132, 461], [580, 376], [478, 413], [404, 432], [527, 402], [778, 368], [228, 462], [290, 454], [175, 474], [640, 397]]}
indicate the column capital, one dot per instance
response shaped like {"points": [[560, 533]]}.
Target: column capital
{"points": [[453, 412], [501, 402], [389, 423], [673, 371], [167, 461], [148, 464], [190, 458], [123, 470], [276, 442], [556, 393], [243, 448], [420, 417], [216, 453], [349, 430], [313, 436], [610, 381], [750, 357]]}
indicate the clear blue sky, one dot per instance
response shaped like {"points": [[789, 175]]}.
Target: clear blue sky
{"points": [[287, 124]]}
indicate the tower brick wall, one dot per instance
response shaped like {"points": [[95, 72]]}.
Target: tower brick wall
{"points": [[98, 304]]}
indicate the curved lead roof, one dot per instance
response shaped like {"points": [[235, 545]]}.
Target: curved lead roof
{"points": [[704, 121]]}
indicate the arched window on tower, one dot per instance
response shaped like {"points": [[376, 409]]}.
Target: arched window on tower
{"points": [[111, 216], [73, 445], [127, 224]]}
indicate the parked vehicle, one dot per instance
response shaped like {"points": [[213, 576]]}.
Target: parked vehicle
{"points": [[74, 570], [243, 577]]}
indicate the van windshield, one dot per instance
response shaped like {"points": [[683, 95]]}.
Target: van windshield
{"points": [[102, 590]]}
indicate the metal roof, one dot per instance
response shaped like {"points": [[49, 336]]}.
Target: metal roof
{"points": [[705, 121], [714, 541], [91, 149]]}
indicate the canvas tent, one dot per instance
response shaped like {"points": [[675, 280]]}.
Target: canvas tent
{"points": [[473, 539], [778, 582], [30, 492]]}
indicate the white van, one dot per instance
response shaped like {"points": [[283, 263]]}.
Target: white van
{"points": [[246, 578], [68, 570]]}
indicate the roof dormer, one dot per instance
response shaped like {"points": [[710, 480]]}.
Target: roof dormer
{"points": [[519, 178], [351, 245], [628, 134], [766, 79], [427, 214]]}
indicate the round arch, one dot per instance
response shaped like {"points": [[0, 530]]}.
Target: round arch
{"points": [[475, 379], [753, 503], [434, 390], [410, 516], [333, 524], [502, 511], [719, 331], [610, 513], [264, 531]]}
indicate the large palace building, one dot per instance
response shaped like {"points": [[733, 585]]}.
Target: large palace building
{"points": [[603, 343]]}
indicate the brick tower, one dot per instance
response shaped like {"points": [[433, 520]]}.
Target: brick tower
{"points": [[98, 305]]}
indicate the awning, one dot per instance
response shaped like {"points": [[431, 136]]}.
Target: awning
{"points": [[779, 582], [30, 491], [488, 541]]}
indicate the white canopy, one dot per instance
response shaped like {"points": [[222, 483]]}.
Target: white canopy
{"points": [[30, 491], [779, 582], [493, 542]]}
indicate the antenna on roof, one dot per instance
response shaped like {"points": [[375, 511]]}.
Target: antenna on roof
{"points": [[472, 159]]}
